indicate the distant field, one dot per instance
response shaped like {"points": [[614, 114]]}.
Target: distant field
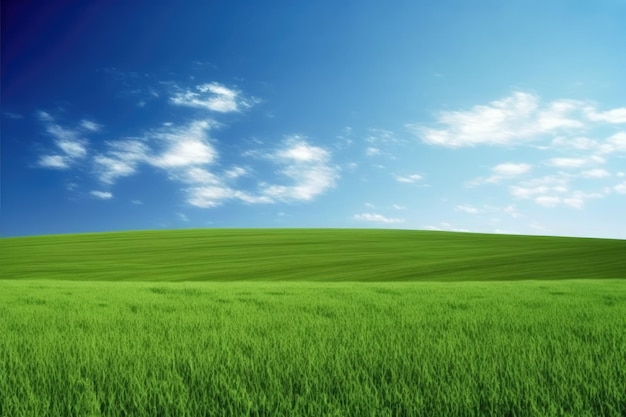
{"points": [[308, 254], [313, 323], [524, 348]]}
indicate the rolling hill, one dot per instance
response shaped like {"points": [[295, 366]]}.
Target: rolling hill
{"points": [[308, 255]]}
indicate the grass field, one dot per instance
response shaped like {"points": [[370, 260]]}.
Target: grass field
{"points": [[508, 334], [309, 254]]}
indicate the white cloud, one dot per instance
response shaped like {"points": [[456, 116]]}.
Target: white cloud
{"points": [[398, 207], [186, 146], [102, 195], [615, 116], [67, 140], [548, 201], [519, 118], [613, 144], [620, 188], [121, 160], [568, 162], [444, 226], [213, 96], [372, 151], [595, 173], [408, 179], [511, 169], [381, 136], [54, 161], [307, 166], [90, 126], [466, 208], [578, 143], [504, 171], [377, 218], [549, 184], [236, 172], [44, 116]]}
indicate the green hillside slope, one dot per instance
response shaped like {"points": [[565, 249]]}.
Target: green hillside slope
{"points": [[308, 254]]}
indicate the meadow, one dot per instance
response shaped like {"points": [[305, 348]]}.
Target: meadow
{"points": [[506, 335]]}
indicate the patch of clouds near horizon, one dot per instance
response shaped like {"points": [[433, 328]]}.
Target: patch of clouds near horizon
{"points": [[377, 218]]}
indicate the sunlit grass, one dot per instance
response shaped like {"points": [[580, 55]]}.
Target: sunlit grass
{"points": [[525, 348]]}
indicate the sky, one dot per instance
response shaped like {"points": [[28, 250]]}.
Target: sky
{"points": [[483, 116]]}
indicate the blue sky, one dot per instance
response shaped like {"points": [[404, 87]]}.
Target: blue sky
{"points": [[482, 116]]}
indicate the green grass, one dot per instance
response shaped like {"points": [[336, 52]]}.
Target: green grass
{"points": [[308, 254], [525, 348], [315, 323]]}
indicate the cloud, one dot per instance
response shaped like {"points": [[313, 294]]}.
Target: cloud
{"points": [[444, 226], [11, 115], [102, 195], [466, 208], [553, 191], [519, 118], [376, 218], [620, 188], [614, 144], [509, 169], [121, 160], [549, 184], [54, 161], [68, 141], [574, 162], [398, 207], [213, 96], [615, 116], [595, 173], [307, 166], [408, 179], [185, 146], [90, 126], [501, 172], [372, 151]]}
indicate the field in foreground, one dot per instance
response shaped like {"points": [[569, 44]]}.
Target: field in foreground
{"points": [[524, 348], [308, 254]]}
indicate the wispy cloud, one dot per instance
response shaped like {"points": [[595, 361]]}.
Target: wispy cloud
{"points": [[519, 118], [554, 191], [212, 96], [575, 162], [121, 160], [69, 142], [54, 161], [445, 226], [595, 173], [377, 218], [502, 172], [102, 195], [409, 179], [466, 208], [11, 115], [90, 125]]}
